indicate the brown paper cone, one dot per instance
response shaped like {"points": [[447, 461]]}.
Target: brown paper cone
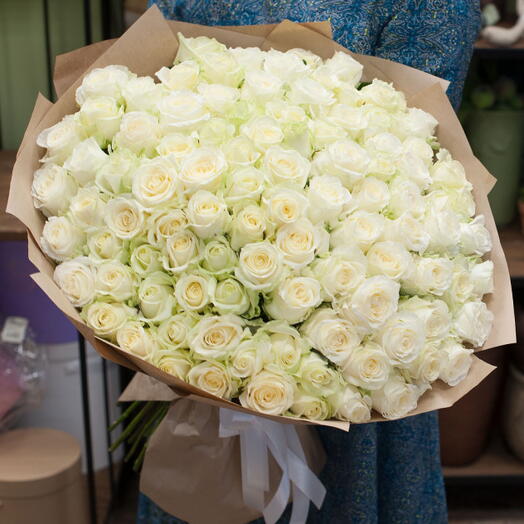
{"points": [[150, 44]]}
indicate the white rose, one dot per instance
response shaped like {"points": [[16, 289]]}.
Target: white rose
{"points": [[333, 336], [402, 337], [154, 182], [195, 48], [327, 196], [310, 407], [286, 66], [384, 95], [351, 405], [182, 249], [145, 259], [461, 288], [360, 227], [415, 123], [86, 158], [250, 58], [456, 362], [294, 299], [291, 117], [52, 189], [284, 206], [218, 257], [427, 366], [345, 159], [165, 223], [261, 85], [182, 110], [212, 377], [216, 131], [115, 175], [101, 117], [141, 94], [286, 167], [207, 214], [115, 280], [287, 346], [247, 226], [76, 278], [409, 232], [379, 119], [415, 169], [106, 318], [202, 169], [217, 97], [370, 194], [405, 197], [298, 242], [60, 139], [103, 81], [448, 173], [216, 337], [176, 146], [230, 296], [340, 273], [220, 67], [433, 313], [305, 90], [475, 238], [444, 230], [429, 276], [310, 59], [353, 119], [419, 148], [105, 245], [124, 217], [473, 323], [176, 363], [61, 239], [193, 291], [156, 298], [460, 201], [263, 131], [385, 150], [139, 132], [324, 132], [135, 339], [396, 399], [173, 332], [241, 152], [389, 258], [316, 377], [269, 392], [260, 266], [374, 301], [248, 357], [244, 184], [367, 367], [482, 277], [87, 208], [340, 69], [180, 76]]}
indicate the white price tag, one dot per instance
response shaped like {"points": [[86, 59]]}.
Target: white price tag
{"points": [[14, 330]]}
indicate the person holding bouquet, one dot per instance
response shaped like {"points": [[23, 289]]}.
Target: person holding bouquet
{"points": [[385, 472]]}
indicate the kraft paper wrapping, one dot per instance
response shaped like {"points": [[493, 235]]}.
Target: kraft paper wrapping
{"points": [[150, 44]]}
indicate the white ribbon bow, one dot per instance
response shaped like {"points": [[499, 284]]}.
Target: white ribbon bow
{"points": [[257, 435]]}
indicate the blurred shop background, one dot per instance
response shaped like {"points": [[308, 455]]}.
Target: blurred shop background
{"points": [[49, 380]]}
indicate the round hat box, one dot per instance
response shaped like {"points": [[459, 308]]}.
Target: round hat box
{"points": [[40, 478]]}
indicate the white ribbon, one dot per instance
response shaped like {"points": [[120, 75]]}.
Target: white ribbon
{"points": [[257, 436]]}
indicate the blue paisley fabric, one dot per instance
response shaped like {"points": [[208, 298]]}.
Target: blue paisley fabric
{"points": [[388, 472]]}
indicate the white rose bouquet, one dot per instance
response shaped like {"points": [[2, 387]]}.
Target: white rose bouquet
{"points": [[269, 227]]}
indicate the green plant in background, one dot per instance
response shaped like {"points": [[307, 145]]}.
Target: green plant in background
{"points": [[493, 117]]}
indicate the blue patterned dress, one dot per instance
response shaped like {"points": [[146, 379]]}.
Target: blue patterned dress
{"points": [[389, 472]]}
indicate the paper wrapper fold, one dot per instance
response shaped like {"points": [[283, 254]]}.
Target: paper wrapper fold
{"points": [[150, 44], [199, 480]]}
